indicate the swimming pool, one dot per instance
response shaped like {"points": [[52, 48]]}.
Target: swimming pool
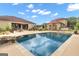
{"points": [[43, 44]]}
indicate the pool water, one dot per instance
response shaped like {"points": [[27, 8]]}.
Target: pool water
{"points": [[43, 44]]}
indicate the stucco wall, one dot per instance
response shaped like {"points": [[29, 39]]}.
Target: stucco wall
{"points": [[58, 26], [64, 21], [51, 26], [5, 24], [30, 26]]}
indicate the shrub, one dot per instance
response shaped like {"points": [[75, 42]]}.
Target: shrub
{"points": [[7, 28], [0, 29], [77, 26]]}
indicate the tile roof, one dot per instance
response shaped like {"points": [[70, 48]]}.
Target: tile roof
{"points": [[57, 20], [14, 19]]}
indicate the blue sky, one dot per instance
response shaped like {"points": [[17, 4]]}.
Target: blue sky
{"points": [[40, 12]]}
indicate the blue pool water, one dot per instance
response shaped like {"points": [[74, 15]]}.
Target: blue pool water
{"points": [[43, 44]]}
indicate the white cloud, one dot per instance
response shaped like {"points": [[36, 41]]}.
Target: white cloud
{"points": [[55, 14], [30, 6], [35, 11], [41, 12], [73, 7], [44, 12], [22, 13], [34, 16], [15, 3], [27, 10]]}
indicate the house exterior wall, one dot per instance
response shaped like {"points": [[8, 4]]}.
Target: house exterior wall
{"points": [[5, 24], [53, 26], [50, 27], [56, 26], [8, 24], [30, 26], [64, 22], [25, 26]]}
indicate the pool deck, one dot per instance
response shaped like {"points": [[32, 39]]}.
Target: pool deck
{"points": [[69, 48], [14, 50]]}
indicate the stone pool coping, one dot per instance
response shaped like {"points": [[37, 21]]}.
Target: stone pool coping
{"points": [[15, 34]]}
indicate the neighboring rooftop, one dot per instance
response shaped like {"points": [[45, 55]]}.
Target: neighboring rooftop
{"points": [[14, 19], [57, 20]]}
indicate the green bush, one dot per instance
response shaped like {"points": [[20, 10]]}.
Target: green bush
{"points": [[7, 28], [77, 26], [2, 30]]}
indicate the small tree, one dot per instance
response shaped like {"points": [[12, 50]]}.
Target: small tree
{"points": [[72, 22], [77, 26]]}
